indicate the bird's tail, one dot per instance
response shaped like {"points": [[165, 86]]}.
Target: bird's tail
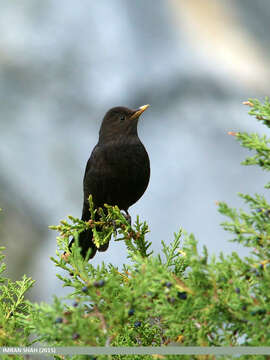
{"points": [[86, 242]]}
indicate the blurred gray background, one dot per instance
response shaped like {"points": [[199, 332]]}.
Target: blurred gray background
{"points": [[64, 64]]}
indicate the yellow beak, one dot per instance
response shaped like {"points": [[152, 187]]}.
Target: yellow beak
{"points": [[139, 111]]}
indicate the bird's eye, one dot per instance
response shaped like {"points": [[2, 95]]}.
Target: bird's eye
{"points": [[122, 117]]}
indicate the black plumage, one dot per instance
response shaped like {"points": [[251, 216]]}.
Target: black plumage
{"points": [[118, 170]]}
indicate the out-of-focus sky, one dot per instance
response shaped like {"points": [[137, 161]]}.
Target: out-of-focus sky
{"points": [[63, 65]]}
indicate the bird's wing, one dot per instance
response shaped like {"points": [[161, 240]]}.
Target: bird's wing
{"points": [[97, 173]]}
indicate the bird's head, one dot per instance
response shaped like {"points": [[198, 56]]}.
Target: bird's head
{"points": [[120, 122]]}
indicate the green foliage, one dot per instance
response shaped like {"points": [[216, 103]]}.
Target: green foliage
{"points": [[255, 142], [13, 309], [112, 306], [177, 297]]}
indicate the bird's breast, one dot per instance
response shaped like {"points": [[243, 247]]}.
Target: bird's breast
{"points": [[127, 160], [127, 172]]}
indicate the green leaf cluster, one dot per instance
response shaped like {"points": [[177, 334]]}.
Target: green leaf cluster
{"points": [[13, 309]]}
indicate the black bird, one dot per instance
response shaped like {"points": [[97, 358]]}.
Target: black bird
{"points": [[118, 170]]}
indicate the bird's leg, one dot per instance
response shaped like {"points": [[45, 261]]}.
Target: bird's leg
{"points": [[127, 216], [114, 226]]}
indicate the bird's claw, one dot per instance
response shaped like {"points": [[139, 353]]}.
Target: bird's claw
{"points": [[65, 256], [127, 217]]}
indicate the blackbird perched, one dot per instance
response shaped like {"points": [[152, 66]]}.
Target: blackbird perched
{"points": [[118, 170]]}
